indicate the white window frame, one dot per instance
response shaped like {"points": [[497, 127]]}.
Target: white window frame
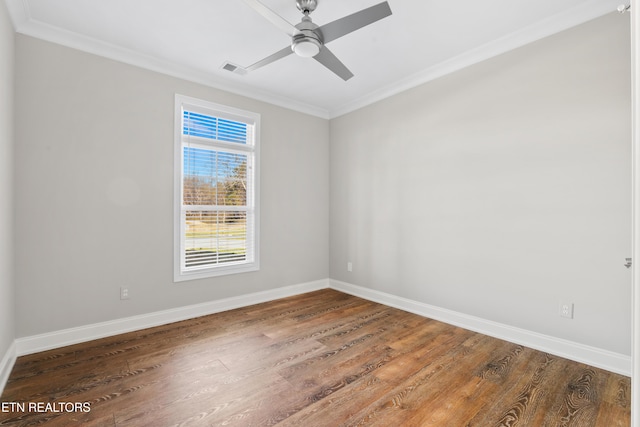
{"points": [[252, 149]]}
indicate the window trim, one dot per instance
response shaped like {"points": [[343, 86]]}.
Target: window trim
{"points": [[209, 108]]}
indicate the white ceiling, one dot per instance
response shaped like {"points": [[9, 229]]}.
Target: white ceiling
{"points": [[192, 39]]}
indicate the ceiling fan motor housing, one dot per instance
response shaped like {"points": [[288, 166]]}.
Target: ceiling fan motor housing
{"points": [[308, 42]]}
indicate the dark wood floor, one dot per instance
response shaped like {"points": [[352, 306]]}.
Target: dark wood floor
{"points": [[318, 359]]}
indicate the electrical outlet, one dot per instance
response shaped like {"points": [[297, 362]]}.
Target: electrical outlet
{"points": [[124, 292], [349, 266], [566, 310]]}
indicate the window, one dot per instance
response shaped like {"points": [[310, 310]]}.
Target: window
{"points": [[216, 190]]}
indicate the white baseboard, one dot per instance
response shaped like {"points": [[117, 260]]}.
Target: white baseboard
{"points": [[56, 339], [6, 365], [610, 361], [604, 359]]}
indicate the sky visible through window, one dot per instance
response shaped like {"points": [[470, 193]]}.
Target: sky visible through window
{"points": [[201, 162]]}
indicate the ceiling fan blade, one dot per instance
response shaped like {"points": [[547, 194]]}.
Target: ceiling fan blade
{"points": [[273, 17], [355, 21], [271, 58], [329, 60]]}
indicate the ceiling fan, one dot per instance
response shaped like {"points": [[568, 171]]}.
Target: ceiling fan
{"points": [[308, 40]]}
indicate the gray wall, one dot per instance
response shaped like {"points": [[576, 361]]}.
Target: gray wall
{"points": [[496, 191], [499, 190], [94, 192], [7, 314]]}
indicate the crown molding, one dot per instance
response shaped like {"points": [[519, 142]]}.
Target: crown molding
{"points": [[555, 24], [25, 24], [18, 12]]}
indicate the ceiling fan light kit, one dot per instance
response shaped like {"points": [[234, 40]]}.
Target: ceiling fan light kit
{"points": [[306, 47], [308, 39], [307, 43]]}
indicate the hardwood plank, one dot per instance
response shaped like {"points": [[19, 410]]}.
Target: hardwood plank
{"points": [[580, 399], [422, 398], [364, 393], [320, 359], [522, 400], [615, 408]]}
